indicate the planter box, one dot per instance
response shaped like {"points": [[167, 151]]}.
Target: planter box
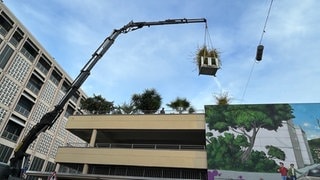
{"points": [[208, 66]]}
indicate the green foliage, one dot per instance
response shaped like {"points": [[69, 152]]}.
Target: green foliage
{"points": [[224, 152], [148, 102], [191, 110], [223, 99], [215, 118], [275, 152], [314, 145], [179, 104], [97, 105], [247, 118], [128, 108], [206, 52], [259, 162]]}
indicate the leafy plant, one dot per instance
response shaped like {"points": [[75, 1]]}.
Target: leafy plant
{"points": [[275, 152], [243, 119], [97, 105], [205, 53], [148, 102], [180, 105]]}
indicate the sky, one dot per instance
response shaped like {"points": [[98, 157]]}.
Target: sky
{"points": [[162, 57]]}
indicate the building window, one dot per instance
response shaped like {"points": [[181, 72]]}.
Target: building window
{"points": [[17, 37], [71, 168], [75, 97], [55, 78], [69, 112], [34, 84], [36, 164], [5, 24], [43, 65], [29, 50], [5, 153], [24, 106], [50, 167], [12, 131], [65, 87], [5, 56]]}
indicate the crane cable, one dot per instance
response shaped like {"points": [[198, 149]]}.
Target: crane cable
{"points": [[207, 38], [262, 34]]}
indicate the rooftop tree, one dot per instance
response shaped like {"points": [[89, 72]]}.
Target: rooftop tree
{"points": [[97, 105], [180, 105], [148, 102]]}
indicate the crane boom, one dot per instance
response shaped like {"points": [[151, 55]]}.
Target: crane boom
{"points": [[51, 117]]}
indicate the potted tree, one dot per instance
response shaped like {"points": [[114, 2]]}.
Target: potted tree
{"points": [[208, 60]]}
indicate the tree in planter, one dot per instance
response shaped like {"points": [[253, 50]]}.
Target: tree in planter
{"points": [[223, 99], [205, 52], [148, 102], [97, 105], [208, 60], [124, 109], [127, 108], [180, 105], [191, 110], [247, 120]]}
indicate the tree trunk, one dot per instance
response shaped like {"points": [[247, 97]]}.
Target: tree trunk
{"points": [[245, 156]]}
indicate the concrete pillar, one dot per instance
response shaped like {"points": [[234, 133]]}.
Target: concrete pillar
{"points": [[85, 169], [57, 167], [91, 144], [93, 138]]}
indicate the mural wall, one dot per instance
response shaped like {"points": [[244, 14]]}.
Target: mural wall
{"points": [[256, 137]]}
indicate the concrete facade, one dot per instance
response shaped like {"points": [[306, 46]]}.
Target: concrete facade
{"points": [[31, 83], [146, 146]]}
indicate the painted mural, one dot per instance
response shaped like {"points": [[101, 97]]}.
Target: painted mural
{"points": [[234, 133]]}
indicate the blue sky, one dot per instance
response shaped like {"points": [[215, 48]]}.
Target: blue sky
{"points": [[162, 57]]}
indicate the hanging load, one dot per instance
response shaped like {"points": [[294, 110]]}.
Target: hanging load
{"points": [[208, 61], [207, 57], [259, 52]]}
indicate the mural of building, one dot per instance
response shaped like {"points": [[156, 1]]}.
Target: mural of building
{"points": [[291, 139], [136, 147], [31, 83]]}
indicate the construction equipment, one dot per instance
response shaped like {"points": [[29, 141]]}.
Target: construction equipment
{"points": [[47, 121]]}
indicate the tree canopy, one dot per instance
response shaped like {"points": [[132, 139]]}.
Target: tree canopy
{"points": [[180, 105], [126, 108], [148, 102], [222, 99], [224, 152], [97, 105]]}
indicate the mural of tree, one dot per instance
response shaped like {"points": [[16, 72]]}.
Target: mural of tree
{"points": [[259, 162], [247, 120], [274, 152], [315, 149], [224, 151]]}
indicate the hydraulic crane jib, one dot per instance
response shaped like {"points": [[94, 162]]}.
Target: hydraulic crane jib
{"points": [[16, 162]]}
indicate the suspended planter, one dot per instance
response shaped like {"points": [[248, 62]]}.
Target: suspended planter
{"points": [[208, 61]]}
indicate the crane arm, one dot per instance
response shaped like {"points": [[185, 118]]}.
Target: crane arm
{"points": [[51, 117]]}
